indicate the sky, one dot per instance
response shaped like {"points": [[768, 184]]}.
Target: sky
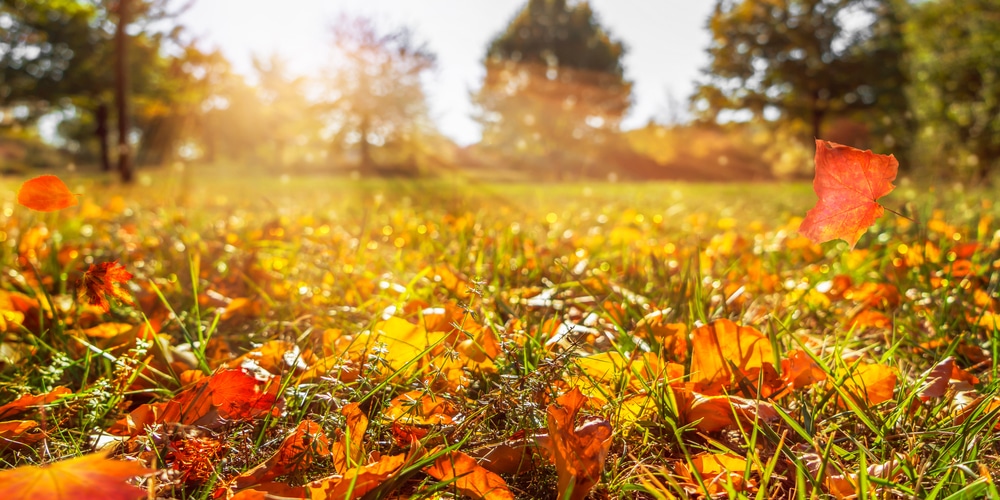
{"points": [[666, 41]]}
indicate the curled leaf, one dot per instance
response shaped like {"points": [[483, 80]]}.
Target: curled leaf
{"points": [[106, 279], [578, 451]]}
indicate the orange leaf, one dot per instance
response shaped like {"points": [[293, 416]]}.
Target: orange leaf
{"points": [[578, 451], [296, 453], [28, 402], [225, 396], [470, 479], [18, 433], [89, 476], [717, 471], [103, 279], [358, 481], [941, 376], [420, 408], [514, 456], [848, 182], [799, 370], [720, 343], [349, 449], [45, 193], [872, 384], [713, 413]]}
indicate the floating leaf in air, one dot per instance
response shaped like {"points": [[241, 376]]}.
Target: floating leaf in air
{"points": [[45, 193], [849, 183]]}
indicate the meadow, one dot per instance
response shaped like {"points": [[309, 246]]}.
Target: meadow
{"points": [[322, 337]]}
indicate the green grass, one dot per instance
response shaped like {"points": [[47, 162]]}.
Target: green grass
{"points": [[318, 255]]}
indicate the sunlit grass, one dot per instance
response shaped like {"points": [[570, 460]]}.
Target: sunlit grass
{"points": [[224, 264]]}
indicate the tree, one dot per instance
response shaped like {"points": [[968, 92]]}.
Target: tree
{"points": [[554, 86], [121, 90], [801, 62], [954, 49], [58, 55], [375, 98]]}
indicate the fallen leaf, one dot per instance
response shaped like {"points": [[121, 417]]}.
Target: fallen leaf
{"points": [[718, 472], [722, 344], [105, 279], [870, 383], [713, 413], [516, 455], [196, 458], [848, 183], [420, 408], [468, 477], [228, 395], [296, 453], [578, 451], [28, 402], [939, 378], [349, 449], [88, 476], [798, 370], [45, 193], [358, 481], [19, 433]]}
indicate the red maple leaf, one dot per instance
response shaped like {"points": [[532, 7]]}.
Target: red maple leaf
{"points": [[106, 279], [848, 182]]}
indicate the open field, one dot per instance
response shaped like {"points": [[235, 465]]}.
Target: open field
{"points": [[330, 338]]}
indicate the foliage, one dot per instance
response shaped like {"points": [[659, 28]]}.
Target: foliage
{"points": [[375, 99], [800, 63], [554, 92], [953, 49], [849, 183], [322, 338]]}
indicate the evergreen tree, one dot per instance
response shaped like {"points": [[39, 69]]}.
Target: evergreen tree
{"points": [[554, 91]]}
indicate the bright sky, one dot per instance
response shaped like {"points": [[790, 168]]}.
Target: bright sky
{"points": [[666, 42]]}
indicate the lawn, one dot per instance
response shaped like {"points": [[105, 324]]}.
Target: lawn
{"points": [[326, 337]]}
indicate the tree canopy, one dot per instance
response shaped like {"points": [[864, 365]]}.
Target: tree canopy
{"points": [[801, 62], [954, 51], [554, 86], [374, 98]]}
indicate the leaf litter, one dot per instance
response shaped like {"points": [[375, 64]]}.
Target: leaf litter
{"points": [[603, 350]]}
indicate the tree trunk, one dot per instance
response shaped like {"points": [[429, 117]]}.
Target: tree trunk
{"points": [[367, 165], [817, 122], [121, 92], [101, 116]]}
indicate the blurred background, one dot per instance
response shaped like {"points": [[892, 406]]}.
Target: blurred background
{"points": [[499, 90]]}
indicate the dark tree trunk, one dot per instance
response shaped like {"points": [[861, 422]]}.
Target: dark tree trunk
{"points": [[367, 166], [817, 122], [121, 92], [102, 136]]}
